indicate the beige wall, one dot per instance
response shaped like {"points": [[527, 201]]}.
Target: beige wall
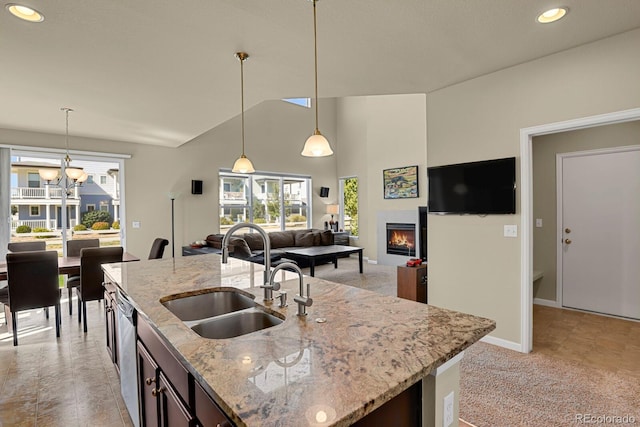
{"points": [[472, 267], [275, 134], [376, 133], [545, 149]]}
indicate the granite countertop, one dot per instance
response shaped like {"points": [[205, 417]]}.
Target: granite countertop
{"points": [[370, 349]]}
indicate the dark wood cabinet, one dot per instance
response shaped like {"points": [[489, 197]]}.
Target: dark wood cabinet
{"points": [[412, 283], [169, 394], [173, 413], [111, 325], [147, 382], [207, 412]]}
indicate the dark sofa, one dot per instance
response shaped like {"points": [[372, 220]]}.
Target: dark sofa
{"points": [[249, 246]]}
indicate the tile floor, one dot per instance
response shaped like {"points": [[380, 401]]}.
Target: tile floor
{"points": [[71, 381]]}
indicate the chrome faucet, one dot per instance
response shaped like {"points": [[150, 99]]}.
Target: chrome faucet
{"points": [[266, 284], [303, 301]]}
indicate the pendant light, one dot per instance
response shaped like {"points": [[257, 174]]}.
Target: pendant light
{"points": [[243, 164], [316, 145], [76, 175]]}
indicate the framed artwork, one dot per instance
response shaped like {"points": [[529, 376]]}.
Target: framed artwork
{"points": [[400, 183]]}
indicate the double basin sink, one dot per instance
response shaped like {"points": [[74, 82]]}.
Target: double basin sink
{"points": [[221, 313]]}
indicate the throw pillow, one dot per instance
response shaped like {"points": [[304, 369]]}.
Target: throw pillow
{"points": [[326, 238], [240, 248]]}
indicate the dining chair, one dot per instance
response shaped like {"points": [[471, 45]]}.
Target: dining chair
{"points": [[33, 283], [74, 247], [92, 276], [4, 300], [40, 245], [157, 248], [37, 245]]}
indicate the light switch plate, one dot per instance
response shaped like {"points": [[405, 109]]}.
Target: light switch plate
{"points": [[539, 222], [510, 231], [135, 224]]}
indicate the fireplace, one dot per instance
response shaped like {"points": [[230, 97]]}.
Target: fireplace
{"points": [[401, 239]]}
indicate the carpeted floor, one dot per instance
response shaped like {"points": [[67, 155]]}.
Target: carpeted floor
{"points": [[500, 387]]}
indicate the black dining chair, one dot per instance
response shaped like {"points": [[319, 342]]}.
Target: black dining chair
{"points": [[27, 246], [157, 248], [92, 276], [73, 250], [36, 245], [33, 283]]}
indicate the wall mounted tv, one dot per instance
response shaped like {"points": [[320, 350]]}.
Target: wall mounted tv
{"points": [[476, 188]]}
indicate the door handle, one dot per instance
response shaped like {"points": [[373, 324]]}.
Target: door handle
{"points": [[567, 241], [567, 230]]}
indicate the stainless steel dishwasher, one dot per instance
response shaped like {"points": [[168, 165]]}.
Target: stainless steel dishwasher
{"points": [[127, 356]]}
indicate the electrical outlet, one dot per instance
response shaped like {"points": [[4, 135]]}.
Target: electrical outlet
{"points": [[135, 224], [447, 417], [510, 231], [539, 222]]}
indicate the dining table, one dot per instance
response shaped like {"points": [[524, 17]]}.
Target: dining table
{"points": [[69, 265]]}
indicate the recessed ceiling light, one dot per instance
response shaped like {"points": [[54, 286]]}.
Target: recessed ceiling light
{"points": [[552, 15], [25, 13]]}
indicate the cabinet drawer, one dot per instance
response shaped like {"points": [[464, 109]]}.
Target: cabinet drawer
{"points": [[177, 374], [207, 411]]}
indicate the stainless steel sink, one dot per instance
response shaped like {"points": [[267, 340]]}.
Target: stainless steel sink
{"points": [[210, 304], [236, 324]]}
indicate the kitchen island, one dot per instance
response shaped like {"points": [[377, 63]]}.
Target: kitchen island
{"points": [[354, 353]]}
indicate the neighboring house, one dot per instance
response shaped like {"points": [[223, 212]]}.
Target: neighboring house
{"points": [[40, 206]]}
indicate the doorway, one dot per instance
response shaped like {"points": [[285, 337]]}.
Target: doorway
{"points": [[598, 228], [526, 204]]}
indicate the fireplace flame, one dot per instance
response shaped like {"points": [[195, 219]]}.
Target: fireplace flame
{"points": [[400, 238]]}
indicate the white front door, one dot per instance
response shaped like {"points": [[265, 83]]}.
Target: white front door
{"points": [[599, 230]]}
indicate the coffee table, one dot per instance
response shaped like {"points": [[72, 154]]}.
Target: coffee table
{"points": [[315, 253]]}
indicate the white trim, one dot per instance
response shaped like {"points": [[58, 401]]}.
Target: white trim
{"points": [[502, 343], [546, 302], [29, 150], [526, 194], [559, 230], [447, 365]]}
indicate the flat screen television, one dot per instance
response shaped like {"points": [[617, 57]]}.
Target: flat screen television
{"points": [[476, 188]]}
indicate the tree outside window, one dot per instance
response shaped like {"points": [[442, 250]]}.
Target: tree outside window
{"points": [[350, 205]]}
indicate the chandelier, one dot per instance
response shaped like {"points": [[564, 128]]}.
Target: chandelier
{"points": [[68, 177]]}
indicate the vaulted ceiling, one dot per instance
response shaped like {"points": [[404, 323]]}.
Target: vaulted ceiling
{"points": [[162, 72]]}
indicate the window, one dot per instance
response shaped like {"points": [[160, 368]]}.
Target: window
{"points": [[91, 207], [33, 180], [349, 202], [104, 206], [34, 210], [103, 179], [275, 202], [303, 102]]}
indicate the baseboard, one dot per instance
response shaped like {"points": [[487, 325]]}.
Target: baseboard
{"points": [[502, 343], [546, 302]]}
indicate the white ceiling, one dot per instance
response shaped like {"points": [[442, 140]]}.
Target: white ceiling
{"points": [[163, 72]]}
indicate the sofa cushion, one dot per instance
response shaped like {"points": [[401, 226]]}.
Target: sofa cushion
{"points": [[214, 240], [254, 240], [326, 238], [239, 248], [280, 239], [306, 239]]}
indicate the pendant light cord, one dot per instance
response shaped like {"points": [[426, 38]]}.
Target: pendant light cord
{"points": [[242, 58], [315, 47], [66, 139]]}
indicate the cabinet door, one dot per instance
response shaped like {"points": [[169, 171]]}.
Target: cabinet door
{"points": [[173, 413], [110, 315], [207, 411], [147, 383]]}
